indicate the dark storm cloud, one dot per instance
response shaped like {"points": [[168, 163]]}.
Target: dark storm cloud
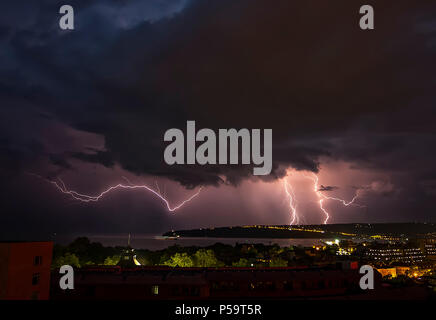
{"points": [[59, 161], [102, 157], [129, 72], [328, 188]]}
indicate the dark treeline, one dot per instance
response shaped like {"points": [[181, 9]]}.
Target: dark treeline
{"points": [[82, 252]]}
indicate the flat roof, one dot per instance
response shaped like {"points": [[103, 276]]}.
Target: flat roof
{"points": [[24, 241]]}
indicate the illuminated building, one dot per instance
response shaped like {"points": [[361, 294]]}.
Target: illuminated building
{"points": [[388, 272], [428, 246], [399, 254], [128, 257]]}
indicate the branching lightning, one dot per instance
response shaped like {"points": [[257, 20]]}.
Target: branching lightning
{"points": [[60, 185], [321, 198], [289, 191]]}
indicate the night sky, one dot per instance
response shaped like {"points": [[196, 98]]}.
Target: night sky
{"points": [[90, 106]]}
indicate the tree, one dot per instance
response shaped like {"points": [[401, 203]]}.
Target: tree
{"points": [[275, 250], [67, 259], [112, 260], [278, 262], [241, 263], [180, 260], [206, 258]]}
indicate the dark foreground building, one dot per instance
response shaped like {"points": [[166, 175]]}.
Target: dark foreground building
{"points": [[25, 270], [212, 283]]}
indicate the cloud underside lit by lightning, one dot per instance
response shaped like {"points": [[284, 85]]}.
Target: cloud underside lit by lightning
{"points": [[295, 218]]}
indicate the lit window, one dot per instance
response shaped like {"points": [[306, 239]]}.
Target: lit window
{"points": [[155, 290]]}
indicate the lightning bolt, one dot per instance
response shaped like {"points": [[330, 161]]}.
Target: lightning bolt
{"points": [[292, 202], [322, 197], [289, 191], [60, 185], [295, 219]]}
